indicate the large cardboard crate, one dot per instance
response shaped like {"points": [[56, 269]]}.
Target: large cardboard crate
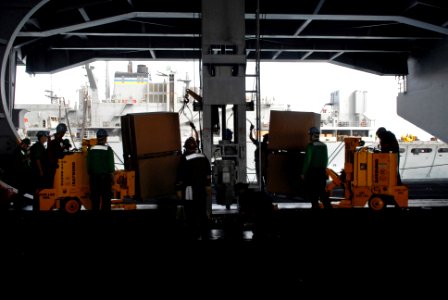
{"points": [[283, 173], [156, 176], [152, 147], [288, 130], [288, 137], [152, 132]]}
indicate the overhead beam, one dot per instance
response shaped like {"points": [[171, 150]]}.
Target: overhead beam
{"points": [[195, 49], [251, 36], [312, 17]]}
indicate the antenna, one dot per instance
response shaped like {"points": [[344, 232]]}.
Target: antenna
{"points": [[186, 81]]}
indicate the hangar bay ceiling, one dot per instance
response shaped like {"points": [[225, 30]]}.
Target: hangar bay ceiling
{"points": [[376, 36]]}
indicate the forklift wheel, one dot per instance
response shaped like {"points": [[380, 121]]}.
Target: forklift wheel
{"points": [[71, 205], [376, 203]]}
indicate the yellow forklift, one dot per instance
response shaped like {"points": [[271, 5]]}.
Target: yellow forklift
{"points": [[368, 178], [71, 190]]}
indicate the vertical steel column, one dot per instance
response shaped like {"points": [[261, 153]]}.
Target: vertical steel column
{"points": [[224, 68]]}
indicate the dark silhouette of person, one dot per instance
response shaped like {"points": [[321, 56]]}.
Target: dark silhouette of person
{"points": [[228, 135], [40, 166], [389, 144], [56, 148], [314, 170], [263, 147], [101, 167], [193, 178], [21, 173]]}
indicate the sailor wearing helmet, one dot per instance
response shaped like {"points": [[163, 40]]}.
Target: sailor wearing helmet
{"points": [[314, 170], [56, 148], [101, 167], [193, 178]]}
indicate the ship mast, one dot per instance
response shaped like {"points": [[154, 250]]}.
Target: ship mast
{"points": [[170, 88], [107, 82], [186, 81]]}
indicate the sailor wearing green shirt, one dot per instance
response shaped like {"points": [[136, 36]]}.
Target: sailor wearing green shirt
{"points": [[314, 170], [101, 166]]}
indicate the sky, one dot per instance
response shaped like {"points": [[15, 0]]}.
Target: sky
{"points": [[305, 86]]}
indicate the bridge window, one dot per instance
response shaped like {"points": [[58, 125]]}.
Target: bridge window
{"points": [[421, 150], [443, 150], [402, 150]]}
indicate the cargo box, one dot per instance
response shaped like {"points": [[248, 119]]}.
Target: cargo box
{"points": [[288, 130], [152, 147]]}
